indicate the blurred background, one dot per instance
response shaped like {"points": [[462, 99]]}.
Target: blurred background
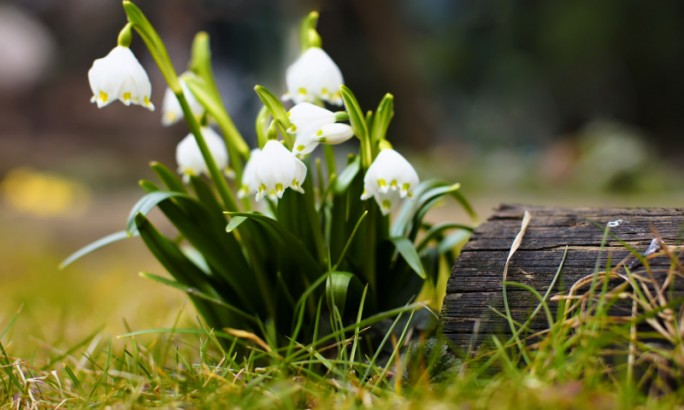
{"points": [[547, 102]]}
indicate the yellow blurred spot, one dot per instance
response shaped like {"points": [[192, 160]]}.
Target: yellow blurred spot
{"points": [[43, 194], [127, 96], [104, 97]]}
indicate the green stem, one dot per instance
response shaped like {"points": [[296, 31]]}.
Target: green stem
{"points": [[156, 47], [200, 64], [154, 44], [214, 171], [371, 238], [314, 221]]}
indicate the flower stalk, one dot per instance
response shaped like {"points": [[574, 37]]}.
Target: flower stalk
{"points": [[156, 47]]}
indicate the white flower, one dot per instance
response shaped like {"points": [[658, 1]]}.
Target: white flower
{"points": [[278, 169], [313, 125], [171, 109], [189, 157], [389, 179], [120, 76], [314, 76], [250, 184]]}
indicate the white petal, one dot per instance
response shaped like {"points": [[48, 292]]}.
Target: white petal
{"points": [[119, 75], [387, 202], [314, 76], [249, 184], [389, 178], [189, 157], [335, 133], [171, 109], [305, 115], [277, 170], [305, 142]]}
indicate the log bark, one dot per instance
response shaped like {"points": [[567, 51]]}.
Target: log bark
{"points": [[474, 290]]}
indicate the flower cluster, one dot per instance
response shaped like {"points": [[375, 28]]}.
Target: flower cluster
{"points": [[313, 78], [323, 244]]}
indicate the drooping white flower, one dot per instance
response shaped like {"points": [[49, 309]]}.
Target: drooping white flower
{"points": [[313, 125], [189, 157], [278, 169], [171, 109], [250, 183], [120, 76], [389, 179], [314, 76]]}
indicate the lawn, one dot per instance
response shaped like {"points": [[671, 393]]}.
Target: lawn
{"points": [[66, 343]]}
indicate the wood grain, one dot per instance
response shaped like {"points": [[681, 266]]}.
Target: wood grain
{"points": [[475, 287]]}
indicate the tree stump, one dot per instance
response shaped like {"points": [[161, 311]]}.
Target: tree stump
{"points": [[597, 240]]}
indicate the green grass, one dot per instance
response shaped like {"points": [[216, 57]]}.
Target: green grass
{"points": [[85, 338]]}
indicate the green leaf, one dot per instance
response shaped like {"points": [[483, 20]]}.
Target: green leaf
{"points": [[343, 289], [168, 177], [181, 268], [205, 230], [349, 240], [458, 195], [194, 292], [382, 118], [154, 44], [214, 106], [438, 230], [235, 221], [200, 61], [275, 107], [146, 204], [356, 117], [412, 212], [93, 246], [206, 197], [347, 176], [288, 246], [408, 252], [262, 123]]}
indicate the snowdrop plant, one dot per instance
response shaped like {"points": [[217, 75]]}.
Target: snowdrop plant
{"points": [[292, 247]]}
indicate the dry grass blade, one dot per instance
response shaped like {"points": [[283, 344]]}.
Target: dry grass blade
{"points": [[242, 334]]}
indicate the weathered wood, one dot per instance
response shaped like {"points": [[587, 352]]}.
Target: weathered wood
{"points": [[475, 284]]}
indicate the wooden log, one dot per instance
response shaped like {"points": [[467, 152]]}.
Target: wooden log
{"points": [[475, 285]]}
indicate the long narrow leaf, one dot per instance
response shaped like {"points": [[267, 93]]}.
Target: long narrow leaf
{"points": [[287, 242], [181, 268], [408, 252], [146, 204], [438, 230], [343, 288], [169, 178], [93, 246], [356, 117], [274, 105], [347, 176], [195, 292]]}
